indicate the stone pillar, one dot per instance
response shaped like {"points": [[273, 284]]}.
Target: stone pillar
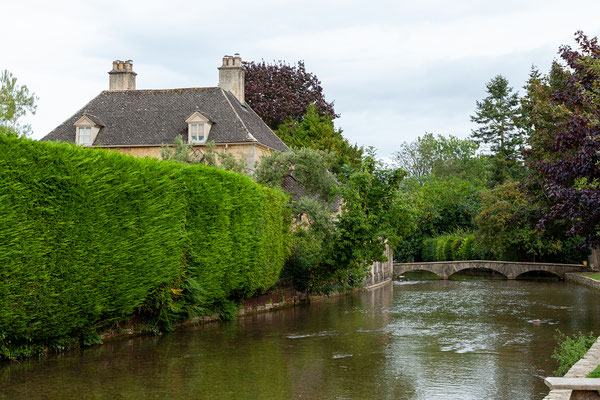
{"points": [[595, 258]]}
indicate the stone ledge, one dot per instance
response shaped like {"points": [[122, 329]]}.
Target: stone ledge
{"points": [[572, 383], [582, 280], [587, 364]]}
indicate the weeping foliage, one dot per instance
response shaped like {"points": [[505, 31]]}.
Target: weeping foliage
{"points": [[89, 238]]}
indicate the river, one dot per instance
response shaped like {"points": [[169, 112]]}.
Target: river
{"points": [[408, 340]]}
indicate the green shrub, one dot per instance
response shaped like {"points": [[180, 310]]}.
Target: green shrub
{"points": [[466, 248], [447, 249], [439, 248], [456, 249], [428, 249], [569, 350], [91, 237]]}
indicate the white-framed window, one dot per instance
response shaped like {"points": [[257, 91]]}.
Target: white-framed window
{"points": [[84, 136], [197, 133]]}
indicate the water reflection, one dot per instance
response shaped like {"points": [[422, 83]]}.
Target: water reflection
{"points": [[409, 340]]}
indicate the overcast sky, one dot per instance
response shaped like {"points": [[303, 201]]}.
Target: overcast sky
{"points": [[395, 69]]}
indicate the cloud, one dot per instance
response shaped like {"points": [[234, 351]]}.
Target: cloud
{"points": [[395, 69]]}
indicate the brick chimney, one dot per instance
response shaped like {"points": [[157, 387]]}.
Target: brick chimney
{"points": [[232, 76], [122, 76]]}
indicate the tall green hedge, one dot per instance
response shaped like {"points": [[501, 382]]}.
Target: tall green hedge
{"points": [[448, 248], [91, 237]]}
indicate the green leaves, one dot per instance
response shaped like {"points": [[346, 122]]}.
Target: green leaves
{"points": [[500, 127], [316, 131], [570, 349], [15, 102], [89, 238]]}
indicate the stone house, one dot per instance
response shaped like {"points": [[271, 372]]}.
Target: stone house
{"points": [[140, 122]]}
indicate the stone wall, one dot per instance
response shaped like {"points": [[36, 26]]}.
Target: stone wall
{"points": [[381, 272], [251, 152], [582, 280], [581, 368]]}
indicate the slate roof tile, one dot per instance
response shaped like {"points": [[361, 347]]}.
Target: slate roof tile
{"points": [[154, 117]]}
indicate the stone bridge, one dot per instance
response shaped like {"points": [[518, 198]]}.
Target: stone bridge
{"points": [[510, 269]]}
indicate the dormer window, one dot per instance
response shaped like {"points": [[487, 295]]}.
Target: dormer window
{"points": [[197, 133], [84, 136], [86, 129], [198, 128]]}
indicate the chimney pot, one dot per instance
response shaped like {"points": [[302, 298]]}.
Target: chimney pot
{"points": [[122, 76]]}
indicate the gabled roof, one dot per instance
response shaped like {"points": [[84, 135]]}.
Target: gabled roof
{"points": [[154, 117], [91, 118]]}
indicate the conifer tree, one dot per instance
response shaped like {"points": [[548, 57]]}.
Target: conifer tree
{"points": [[499, 120]]}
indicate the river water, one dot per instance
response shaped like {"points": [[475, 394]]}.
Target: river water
{"points": [[407, 340]]}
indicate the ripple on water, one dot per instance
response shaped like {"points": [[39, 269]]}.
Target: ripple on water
{"points": [[461, 348], [309, 335], [338, 356]]}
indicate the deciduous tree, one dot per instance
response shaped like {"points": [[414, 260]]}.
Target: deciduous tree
{"points": [[564, 109], [318, 132], [280, 91], [15, 102], [442, 157]]}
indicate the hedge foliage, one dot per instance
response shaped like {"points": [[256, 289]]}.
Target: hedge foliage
{"points": [[453, 247], [91, 237]]}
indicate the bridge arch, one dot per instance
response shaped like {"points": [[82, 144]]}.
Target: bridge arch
{"points": [[479, 268], [548, 272], [419, 267], [510, 269]]}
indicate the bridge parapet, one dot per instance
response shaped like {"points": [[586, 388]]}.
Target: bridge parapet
{"points": [[510, 269]]}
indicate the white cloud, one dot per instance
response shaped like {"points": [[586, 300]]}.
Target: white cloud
{"points": [[395, 69]]}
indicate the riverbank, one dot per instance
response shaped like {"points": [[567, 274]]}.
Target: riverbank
{"points": [[582, 279], [580, 370], [265, 303], [592, 358]]}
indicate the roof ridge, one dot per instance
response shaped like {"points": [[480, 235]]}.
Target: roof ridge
{"points": [[161, 90], [238, 115]]}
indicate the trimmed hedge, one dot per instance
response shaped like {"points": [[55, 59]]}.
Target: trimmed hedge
{"points": [[448, 248], [91, 237]]}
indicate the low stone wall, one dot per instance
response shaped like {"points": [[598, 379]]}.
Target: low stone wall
{"points": [[381, 272], [582, 280], [581, 368]]}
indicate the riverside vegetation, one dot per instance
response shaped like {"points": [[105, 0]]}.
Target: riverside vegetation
{"points": [[89, 239]]}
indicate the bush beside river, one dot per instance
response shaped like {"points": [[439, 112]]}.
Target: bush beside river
{"points": [[89, 238]]}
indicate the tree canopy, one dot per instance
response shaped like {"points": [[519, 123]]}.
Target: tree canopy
{"points": [[499, 119], [318, 132], [15, 102], [279, 91], [330, 249], [564, 109], [442, 157]]}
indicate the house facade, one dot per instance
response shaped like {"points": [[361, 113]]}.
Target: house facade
{"points": [[141, 122]]}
